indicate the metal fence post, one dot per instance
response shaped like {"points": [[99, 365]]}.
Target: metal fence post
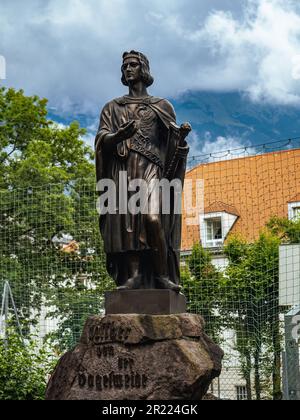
{"points": [[291, 362], [4, 314]]}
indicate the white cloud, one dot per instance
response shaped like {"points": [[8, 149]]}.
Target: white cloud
{"points": [[209, 149], [222, 145], [89, 137], [70, 51], [259, 52], [91, 131], [2, 67], [59, 126]]}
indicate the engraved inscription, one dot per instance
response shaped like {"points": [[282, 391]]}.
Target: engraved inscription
{"points": [[124, 379], [125, 363], [108, 331], [124, 374], [105, 352], [113, 380]]}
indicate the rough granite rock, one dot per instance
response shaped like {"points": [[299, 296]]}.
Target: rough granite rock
{"points": [[132, 357]]}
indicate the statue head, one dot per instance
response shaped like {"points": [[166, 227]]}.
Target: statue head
{"points": [[146, 77]]}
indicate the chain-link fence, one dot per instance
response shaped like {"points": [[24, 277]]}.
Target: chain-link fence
{"points": [[240, 267], [245, 277], [52, 257]]}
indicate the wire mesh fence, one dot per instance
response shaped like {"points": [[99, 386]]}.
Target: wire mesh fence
{"points": [[245, 276], [240, 267], [52, 257]]}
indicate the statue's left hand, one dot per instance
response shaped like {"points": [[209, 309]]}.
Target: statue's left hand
{"points": [[186, 128]]}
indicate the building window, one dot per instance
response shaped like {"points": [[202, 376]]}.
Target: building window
{"points": [[296, 212], [213, 229], [241, 393]]}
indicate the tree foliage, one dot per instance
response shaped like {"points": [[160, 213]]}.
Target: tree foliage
{"points": [[201, 286], [47, 198], [245, 298], [288, 231], [24, 368], [251, 282]]}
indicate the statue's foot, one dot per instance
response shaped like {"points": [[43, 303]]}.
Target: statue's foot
{"points": [[166, 283], [131, 284]]}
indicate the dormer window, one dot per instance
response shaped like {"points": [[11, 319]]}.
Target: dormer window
{"points": [[214, 229], [296, 212], [215, 224], [294, 208]]}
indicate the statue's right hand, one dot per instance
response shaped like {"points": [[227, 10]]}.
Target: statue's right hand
{"points": [[126, 131]]}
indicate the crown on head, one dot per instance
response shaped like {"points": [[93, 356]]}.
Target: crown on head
{"points": [[135, 54]]}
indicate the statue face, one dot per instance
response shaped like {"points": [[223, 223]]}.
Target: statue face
{"points": [[132, 70]]}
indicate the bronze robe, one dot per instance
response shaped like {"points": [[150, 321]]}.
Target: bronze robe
{"points": [[125, 233]]}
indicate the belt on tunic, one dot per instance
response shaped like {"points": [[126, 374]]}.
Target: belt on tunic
{"points": [[139, 148]]}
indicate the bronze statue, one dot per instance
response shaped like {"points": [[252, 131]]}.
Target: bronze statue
{"points": [[138, 134]]}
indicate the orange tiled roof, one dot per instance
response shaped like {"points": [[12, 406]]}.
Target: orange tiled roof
{"points": [[218, 206], [295, 199], [254, 188]]}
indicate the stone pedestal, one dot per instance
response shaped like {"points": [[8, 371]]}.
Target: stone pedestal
{"points": [[132, 357], [146, 302]]}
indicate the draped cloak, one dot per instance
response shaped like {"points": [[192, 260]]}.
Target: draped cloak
{"points": [[125, 233]]}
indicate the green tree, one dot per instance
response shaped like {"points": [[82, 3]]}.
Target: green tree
{"points": [[201, 286], [288, 231], [78, 291], [237, 306], [251, 282], [47, 194], [24, 368]]}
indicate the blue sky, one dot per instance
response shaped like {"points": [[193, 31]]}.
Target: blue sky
{"points": [[70, 52]]}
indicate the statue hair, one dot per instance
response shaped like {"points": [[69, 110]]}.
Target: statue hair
{"points": [[145, 68]]}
